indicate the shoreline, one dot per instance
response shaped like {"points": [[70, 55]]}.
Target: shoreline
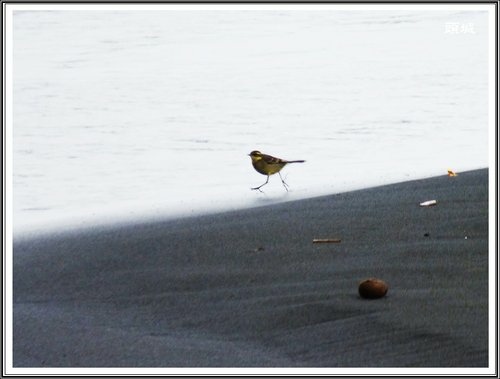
{"points": [[131, 216], [248, 288]]}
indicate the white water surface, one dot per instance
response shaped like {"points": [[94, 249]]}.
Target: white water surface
{"points": [[122, 114]]}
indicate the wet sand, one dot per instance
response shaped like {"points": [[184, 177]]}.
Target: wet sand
{"points": [[249, 288]]}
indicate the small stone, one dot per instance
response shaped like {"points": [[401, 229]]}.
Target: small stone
{"points": [[373, 288]]}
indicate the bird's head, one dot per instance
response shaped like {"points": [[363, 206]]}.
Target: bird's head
{"points": [[255, 155]]}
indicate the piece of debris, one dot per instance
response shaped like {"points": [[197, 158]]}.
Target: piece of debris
{"points": [[260, 248], [326, 240], [452, 173], [428, 203], [426, 234], [372, 288]]}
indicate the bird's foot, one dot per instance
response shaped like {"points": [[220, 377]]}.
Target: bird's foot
{"points": [[284, 183]]}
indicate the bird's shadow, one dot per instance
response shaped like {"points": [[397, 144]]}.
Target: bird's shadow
{"points": [[265, 198]]}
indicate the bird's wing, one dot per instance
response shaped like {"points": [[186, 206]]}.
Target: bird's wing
{"points": [[272, 160]]}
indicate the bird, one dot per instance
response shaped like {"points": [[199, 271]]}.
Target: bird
{"points": [[269, 165]]}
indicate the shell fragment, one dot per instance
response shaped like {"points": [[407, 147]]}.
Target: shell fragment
{"points": [[428, 203]]}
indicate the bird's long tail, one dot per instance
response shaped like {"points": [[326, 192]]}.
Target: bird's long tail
{"points": [[300, 161]]}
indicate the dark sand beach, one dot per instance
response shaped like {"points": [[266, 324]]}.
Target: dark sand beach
{"points": [[249, 288]]}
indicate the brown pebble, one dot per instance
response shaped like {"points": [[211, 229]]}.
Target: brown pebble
{"points": [[373, 288]]}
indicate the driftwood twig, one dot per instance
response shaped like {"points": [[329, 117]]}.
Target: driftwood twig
{"points": [[326, 240]]}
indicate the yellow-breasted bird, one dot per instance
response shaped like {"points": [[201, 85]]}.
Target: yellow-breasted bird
{"points": [[269, 165]]}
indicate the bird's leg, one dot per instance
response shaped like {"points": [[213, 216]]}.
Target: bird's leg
{"points": [[284, 183], [262, 185]]}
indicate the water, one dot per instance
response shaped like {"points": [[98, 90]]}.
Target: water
{"points": [[124, 114]]}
